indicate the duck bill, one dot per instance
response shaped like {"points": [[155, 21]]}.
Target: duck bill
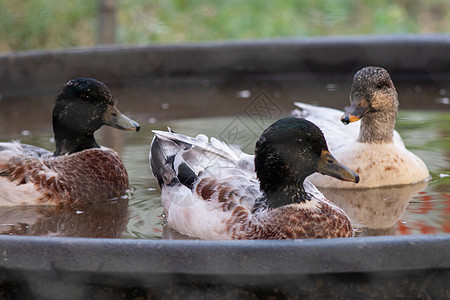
{"points": [[328, 165], [356, 111], [114, 118]]}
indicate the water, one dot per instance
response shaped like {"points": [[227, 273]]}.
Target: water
{"points": [[418, 209]]}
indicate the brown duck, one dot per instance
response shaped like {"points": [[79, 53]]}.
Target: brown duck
{"points": [[79, 171]]}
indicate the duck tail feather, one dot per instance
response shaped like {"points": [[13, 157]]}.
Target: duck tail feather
{"points": [[162, 153], [311, 110], [163, 150], [202, 142]]}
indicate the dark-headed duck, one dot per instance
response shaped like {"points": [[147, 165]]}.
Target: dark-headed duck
{"points": [[79, 171], [211, 190]]}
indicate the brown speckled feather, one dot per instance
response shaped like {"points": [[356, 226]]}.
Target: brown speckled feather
{"points": [[292, 222], [84, 177], [227, 192]]}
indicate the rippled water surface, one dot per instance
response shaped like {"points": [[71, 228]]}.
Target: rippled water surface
{"points": [[420, 209]]}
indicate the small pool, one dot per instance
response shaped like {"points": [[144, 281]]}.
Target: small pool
{"points": [[231, 90], [417, 209]]}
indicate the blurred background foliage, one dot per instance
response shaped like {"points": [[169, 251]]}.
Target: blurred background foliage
{"points": [[49, 24]]}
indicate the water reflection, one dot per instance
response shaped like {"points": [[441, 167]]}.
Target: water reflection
{"points": [[374, 211], [386, 212], [102, 220]]}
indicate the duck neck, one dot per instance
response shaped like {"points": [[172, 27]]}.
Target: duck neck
{"points": [[285, 195], [378, 127], [71, 142], [280, 184]]}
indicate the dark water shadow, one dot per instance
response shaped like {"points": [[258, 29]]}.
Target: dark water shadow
{"points": [[101, 220]]}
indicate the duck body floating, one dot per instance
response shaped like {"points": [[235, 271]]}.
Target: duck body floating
{"points": [[373, 149], [211, 190], [79, 171]]}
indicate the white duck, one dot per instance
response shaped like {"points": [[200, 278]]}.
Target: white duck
{"points": [[374, 149], [210, 190]]}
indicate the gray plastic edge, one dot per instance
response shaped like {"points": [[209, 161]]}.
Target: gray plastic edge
{"points": [[195, 257]]}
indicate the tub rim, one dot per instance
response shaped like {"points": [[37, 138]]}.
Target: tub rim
{"points": [[198, 257]]}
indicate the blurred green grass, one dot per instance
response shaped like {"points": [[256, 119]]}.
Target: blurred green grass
{"points": [[49, 24]]}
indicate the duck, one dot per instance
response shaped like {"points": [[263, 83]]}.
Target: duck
{"points": [[372, 148], [79, 171], [215, 191]]}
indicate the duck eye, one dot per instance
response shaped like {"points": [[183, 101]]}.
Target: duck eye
{"points": [[114, 115], [379, 85]]}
